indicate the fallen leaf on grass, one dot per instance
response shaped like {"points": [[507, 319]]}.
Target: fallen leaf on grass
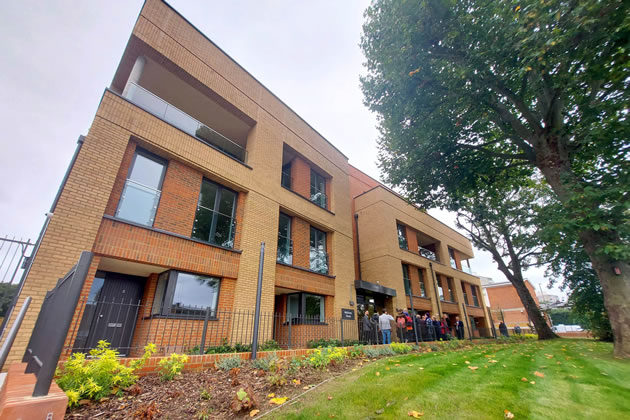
{"points": [[532, 382], [271, 395], [306, 387], [329, 397], [467, 362], [389, 403], [508, 414], [253, 412], [524, 379], [473, 367], [380, 411], [278, 400], [378, 373], [415, 414], [539, 374], [421, 368], [604, 373], [387, 368], [492, 361]]}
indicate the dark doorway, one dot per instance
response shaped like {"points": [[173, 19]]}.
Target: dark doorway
{"points": [[110, 312]]}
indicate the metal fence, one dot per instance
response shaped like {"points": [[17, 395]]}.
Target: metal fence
{"points": [[130, 326], [15, 256]]}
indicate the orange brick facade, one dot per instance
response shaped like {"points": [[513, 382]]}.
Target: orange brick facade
{"points": [[507, 306], [85, 217]]}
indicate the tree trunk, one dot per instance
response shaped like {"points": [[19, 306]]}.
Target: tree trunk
{"points": [[616, 290], [556, 168], [540, 323]]}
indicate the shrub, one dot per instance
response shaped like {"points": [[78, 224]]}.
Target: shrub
{"points": [[229, 363], [172, 366], [400, 348], [99, 376], [356, 352], [294, 365], [266, 363], [320, 358], [205, 394], [277, 379], [330, 342], [269, 345]]}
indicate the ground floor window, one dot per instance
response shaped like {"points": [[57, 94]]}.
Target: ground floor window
{"points": [[305, 308], [185, 294]]}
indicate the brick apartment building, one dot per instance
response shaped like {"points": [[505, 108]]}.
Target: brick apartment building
{"points": [[190, 163], [505, 305]]}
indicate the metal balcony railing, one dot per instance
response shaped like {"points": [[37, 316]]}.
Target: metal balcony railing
{"points": [[172, 115], [427, 253]]}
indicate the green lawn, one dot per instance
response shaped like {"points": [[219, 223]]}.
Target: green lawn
{"points": [[581, 380]]}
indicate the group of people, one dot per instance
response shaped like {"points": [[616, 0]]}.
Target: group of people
{"points": [[379, 329]]}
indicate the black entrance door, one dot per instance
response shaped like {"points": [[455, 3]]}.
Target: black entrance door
{"points": [[111, 312]]}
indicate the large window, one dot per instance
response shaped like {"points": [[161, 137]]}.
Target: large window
{"points": [[402, 236], [318, 189], [451, 254], [215, 221], [473, 289], [318, 256], [285, 181], [405, 270], [440, 289], [451, 292], [423, 290], [141, 194], [305, 308], [285, 244], [465, 291], [185, 294]]}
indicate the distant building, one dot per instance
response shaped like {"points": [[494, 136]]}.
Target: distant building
{"points": [[504, 303]]}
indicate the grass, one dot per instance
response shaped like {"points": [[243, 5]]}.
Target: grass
{"points": [[581, 380]]}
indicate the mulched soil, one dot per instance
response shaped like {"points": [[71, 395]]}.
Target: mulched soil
{"points": [[183, 398]]}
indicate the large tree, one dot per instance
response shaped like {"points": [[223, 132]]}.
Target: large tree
{"points": [[505, 222], [468, 90]]}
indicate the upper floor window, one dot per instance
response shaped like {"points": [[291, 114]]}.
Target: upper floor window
{"points": [[440, 289], [215, 218], [449, 285], [402, 236], [451, 254], [423, 290], [465, 292], [285, 181], [318, 189], [285, 244], [141, 194], [473, 289], [185, 294], [405, 269], [318, 255]]}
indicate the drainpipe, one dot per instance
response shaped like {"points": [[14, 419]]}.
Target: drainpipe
{"points": [[136, 73], [435, 292], [356, 223]]}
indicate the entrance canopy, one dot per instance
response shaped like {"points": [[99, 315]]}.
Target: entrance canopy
{"points": [[373, 287]]}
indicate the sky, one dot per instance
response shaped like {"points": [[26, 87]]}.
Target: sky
{"points": [[59, 56]]}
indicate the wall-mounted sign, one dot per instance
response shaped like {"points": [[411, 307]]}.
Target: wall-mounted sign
{"points": [[347, 314]]}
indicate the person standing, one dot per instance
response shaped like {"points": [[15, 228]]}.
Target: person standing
{"points": [[421, 327], [375, 327], [503, 329], [430, 330], [459, 328], [437, 327], [366, 330], [385, 326], [446, 326]]}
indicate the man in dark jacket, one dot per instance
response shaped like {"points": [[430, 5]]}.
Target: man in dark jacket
{"points": [[421, 327], [375, 328], [430, 331], [503, 329], [459, 328], [367, 330]]}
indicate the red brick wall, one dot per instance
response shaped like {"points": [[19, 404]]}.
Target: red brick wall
{"points": [[301, 236], [301, 177], [121, 177], [178, 203], [124, 241], [293, 278], [412, 240]]}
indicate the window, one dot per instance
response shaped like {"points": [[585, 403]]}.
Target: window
{"points": [[423, 290], [318, 256], [214, 220], [464, 290], [141, 194], [440, 290], [402, 236], [474, 295], [285, 181], [405, 269], [285, 244], [179, 294], [451, 294], [318, 189], [451, 254], [305, 308]]}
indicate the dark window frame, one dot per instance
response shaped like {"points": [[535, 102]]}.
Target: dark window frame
{"points": [[151, 156], [285, 177], [451, 290], [465, 293], [451, 256], [325, 239], [215, 211], [288, 239], [475, 296], [165, 308], [407, 280], [301, 317], [423, 285], [324, 180], [403, 242], [440, 288]]}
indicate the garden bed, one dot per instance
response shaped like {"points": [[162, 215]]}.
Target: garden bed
{"points": [[210, 394]]}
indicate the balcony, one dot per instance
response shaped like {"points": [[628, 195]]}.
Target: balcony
{"points": [[427, 253], [178, 118]]}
